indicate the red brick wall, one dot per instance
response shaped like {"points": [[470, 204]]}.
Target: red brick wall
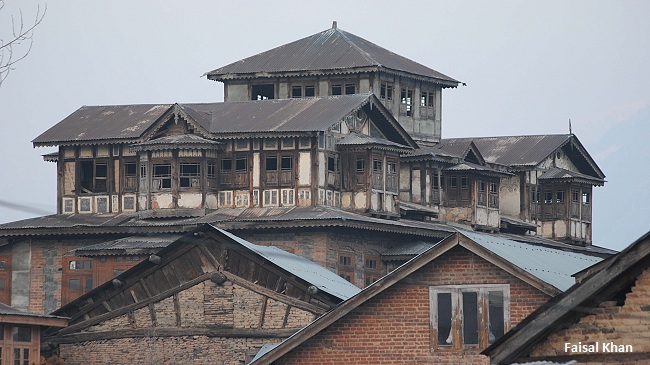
{"points": [[628, 324], [393, 328]]}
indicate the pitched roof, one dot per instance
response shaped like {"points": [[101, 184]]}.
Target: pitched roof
{"points": [[128, 123], [556, 173], [530, 150], [303, 268], [330, 51], [549, 265], [108, 122], [618, 272], [203, 242], [177, 141], [515, 150], [484, 241], [358, 139]]}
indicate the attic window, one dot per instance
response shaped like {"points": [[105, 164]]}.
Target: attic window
{"points": [[585, 198]]}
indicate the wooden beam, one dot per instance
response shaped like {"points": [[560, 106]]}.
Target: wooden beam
{"points": [[277, 296], [129, 283], [121, 311], [208, 331], [177, 309], [263, 311], [287, 311]]}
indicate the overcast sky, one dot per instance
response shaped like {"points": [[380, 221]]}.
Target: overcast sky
{"points": [[529, 68]]}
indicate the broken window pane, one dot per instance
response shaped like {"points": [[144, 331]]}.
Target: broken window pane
{"points": [[445, 335], [470, 318], [495, 315], [350, 89]]}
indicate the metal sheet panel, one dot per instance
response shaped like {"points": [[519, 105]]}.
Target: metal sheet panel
{"points": [[94, 123], [327, 51], [550, 265], [307, 270]]}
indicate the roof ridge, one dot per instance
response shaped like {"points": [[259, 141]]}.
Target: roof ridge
{"points": [[365, 54]]}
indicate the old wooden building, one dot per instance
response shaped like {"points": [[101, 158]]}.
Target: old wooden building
{"points": [[338, 159]]}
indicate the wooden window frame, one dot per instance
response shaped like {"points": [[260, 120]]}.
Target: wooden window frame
{"points": [[345, 266], [386, 90], [457, 316], [5, 274]]}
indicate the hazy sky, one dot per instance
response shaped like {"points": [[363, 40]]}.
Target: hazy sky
{"points": [[529, 67]]}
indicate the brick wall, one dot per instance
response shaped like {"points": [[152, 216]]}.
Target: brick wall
{"points": [[628, 324], [393, 327], [205, 304], [322, 245]]}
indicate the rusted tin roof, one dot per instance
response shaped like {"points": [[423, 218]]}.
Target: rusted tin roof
{"points": [[515, 150], [528, 151], [128, 123], [109, 122], [328, 52]]}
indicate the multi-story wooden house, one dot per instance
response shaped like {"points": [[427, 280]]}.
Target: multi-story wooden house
{"points": [[329, 147]]}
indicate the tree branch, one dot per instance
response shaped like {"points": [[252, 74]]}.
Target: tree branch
{"points": [[20, 43]]}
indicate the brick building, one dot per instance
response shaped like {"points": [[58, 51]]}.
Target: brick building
{"points": [[208, 297], [605, 319], [443, 306]]}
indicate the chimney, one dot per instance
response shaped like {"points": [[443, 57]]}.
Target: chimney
{"points": [[334, 24]]}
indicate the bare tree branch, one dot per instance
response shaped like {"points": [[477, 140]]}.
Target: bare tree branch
{"points": [[18, 46]]}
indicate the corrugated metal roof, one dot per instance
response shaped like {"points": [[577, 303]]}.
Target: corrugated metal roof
{"points": [[358, 139], [408, 249], [177, 140], [92, 123], [307, 270], [552, 266], [515, 150], [468, 166], [6, 310], [556, 173], [327, 51], [130, 244], [275, 115]]}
